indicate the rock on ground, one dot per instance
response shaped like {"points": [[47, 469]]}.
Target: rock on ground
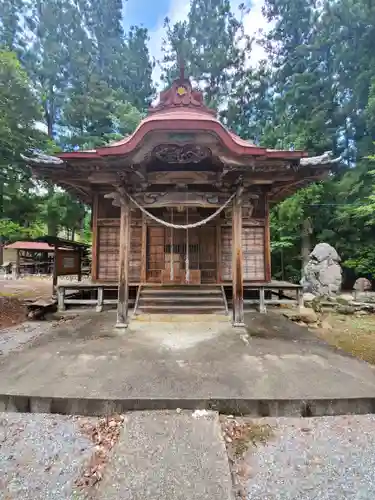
{"points": [[325, 458], [41, 456], [362, 285], [322, 276], [304, 314]]}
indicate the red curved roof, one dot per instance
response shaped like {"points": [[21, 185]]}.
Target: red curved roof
{"points": [[181, 109]]}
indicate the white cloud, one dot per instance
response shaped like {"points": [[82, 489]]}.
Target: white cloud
{"points": [[254, 22], [178, 11]]}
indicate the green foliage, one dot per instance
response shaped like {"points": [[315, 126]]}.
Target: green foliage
{"points": [[74, 73], [11, 13], [96, 114], [18, 110], [213, 46], [12, 231], [73, 69]]}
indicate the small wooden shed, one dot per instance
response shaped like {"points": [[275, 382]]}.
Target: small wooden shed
{"points": [[48, 255]]}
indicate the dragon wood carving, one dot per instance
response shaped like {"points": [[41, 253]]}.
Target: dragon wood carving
{"points": [[172, 153]]}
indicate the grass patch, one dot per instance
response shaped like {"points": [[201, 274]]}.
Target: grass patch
{"points": [[353, 334]]}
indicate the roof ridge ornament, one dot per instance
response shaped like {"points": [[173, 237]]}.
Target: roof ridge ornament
{"points": [[181, 95]]}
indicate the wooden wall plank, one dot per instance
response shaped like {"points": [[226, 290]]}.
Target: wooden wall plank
{"points": [[219, 264], [108, 253]]}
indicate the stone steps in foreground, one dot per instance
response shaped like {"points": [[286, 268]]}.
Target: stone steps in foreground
{"points": [[169, 456]]}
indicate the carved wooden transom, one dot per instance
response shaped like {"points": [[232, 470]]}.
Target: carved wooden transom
{"points": [[173, 153]]}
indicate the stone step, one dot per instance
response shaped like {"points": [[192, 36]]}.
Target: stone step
{"points": [[179, 309], [184, 317], [168, 456], [181, 291], [181, 299]]}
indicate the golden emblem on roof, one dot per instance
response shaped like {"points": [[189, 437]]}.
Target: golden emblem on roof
{"points": [[181, 90]]}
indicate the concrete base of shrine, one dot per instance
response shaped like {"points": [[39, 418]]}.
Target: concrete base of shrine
{"points": [[86, 366]]}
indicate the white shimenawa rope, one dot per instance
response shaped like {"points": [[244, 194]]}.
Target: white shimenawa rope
{"points": [[180, 226]]}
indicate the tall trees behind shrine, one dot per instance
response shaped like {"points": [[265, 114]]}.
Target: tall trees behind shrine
{"points": [[89, 81], [315, 90], [322, 70]]}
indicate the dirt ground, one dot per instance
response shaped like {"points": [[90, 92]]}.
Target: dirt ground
{"points": [[12, 312], [354, 334], [13, 293]]}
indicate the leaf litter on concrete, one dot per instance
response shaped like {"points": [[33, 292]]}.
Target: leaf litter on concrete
{"points": [[240, 436], [104, 434]]}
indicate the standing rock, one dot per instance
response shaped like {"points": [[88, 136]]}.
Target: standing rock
{"points": [[322, 275], [362, 290], [362, 285]]}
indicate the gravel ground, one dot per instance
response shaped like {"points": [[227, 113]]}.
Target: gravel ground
{"points": [[325, 458], [16, 336], [41, 456]]}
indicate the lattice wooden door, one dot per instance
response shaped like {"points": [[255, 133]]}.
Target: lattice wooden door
{"points": [[253, 253], [155, 253], [207, 254]]}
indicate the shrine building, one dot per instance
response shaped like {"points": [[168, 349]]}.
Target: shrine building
{"points": [[182, 204]]}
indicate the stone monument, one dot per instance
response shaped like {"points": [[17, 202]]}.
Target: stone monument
{"points": [[322, 275]]}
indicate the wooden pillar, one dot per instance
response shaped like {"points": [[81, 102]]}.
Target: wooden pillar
{"points": [[237, 260], [94, 249], [80, 251], [144, 250], [17, 269], [267, 241], [123, 286], [99, 305], [61, 299], [55, 271]]}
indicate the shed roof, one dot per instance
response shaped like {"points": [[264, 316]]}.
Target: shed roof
{"points": [[30, 245], [46, 244]]}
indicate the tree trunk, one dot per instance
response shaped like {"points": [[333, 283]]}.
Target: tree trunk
{"points": [[306, 241], [52, 228]]}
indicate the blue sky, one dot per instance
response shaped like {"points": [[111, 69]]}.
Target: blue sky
{"points": [[151, 14], [146, 12]]}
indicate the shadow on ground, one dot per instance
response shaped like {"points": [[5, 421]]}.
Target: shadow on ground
{"points": [[274, 325]]}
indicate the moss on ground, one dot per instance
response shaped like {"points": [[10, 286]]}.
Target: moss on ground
{"points": [[353, 334], [242, 433]]}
